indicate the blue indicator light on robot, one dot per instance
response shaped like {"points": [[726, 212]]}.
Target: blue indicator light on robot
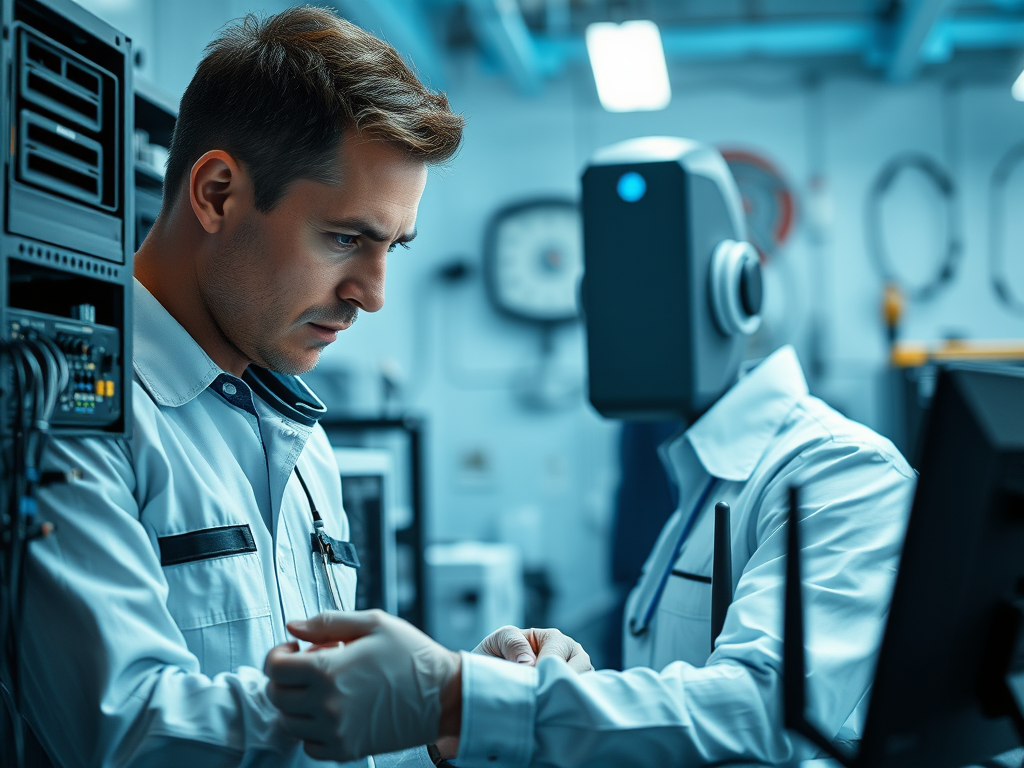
{"points": [[632, 186]]}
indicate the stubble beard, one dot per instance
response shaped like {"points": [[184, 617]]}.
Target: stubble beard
{"points": [[231, 293], [230, 296]]}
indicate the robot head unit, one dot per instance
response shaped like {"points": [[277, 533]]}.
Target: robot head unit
{"points": [[671, 288]]}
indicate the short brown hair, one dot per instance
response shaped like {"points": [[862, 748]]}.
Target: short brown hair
{"points": [[278, 92]]}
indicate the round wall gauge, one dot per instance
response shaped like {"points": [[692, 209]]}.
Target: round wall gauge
{"points": [[767, 200], [533, 260]]}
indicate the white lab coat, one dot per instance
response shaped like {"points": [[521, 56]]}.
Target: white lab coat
{"points": [[130, 663], [680, 704]]}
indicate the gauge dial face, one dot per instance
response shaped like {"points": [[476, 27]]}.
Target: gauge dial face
{"points": [[535, 260], [767, 201]]}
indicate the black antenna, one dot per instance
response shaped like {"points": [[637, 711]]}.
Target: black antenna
{"points": [[794, 665], [721, 571], [1014, 679]]}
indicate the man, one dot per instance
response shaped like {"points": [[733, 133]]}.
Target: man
{"points": [[297, 164]]}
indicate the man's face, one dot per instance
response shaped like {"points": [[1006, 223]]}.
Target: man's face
{"points": [[289, 280]]}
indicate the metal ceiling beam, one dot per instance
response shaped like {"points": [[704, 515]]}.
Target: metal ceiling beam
{"points": [[405, 26], [979, 33], [914, 29], [502, 31], [771, 40], [739, 41], [735, 42]]}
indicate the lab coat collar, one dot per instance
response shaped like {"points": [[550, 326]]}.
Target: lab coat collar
{"points": [[731, 437], [171, 365]]}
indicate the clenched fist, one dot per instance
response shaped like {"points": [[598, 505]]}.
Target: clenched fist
{"points": [[527, 646]]}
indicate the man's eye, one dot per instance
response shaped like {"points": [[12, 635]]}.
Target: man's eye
{"points": [[391, 248], [345, 240]]}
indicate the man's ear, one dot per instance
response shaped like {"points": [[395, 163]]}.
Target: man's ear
{"points": [[217, 185]]}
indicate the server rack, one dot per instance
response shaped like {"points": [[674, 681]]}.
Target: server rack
{"points": [[68, 200], [67, 235]]}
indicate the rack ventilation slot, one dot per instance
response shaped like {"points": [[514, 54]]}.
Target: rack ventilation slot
{"points": [[53, 80], [58, 158]]}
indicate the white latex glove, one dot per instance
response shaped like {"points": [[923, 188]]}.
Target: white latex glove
{"points": [[527, 646], [380, 692]]}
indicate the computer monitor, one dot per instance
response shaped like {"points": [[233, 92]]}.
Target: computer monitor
{"points": [[368, 492], [949, 684]]}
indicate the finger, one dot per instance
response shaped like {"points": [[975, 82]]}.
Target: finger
{"points": [[554, 643], [277, 652], [560, 648], [508, 643], [550, 639], [580, 661], [294, 701], [324, 647], [551, 642], [335, 626], [515, 647], [293, 669]]}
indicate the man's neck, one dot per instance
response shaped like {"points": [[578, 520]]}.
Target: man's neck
{"points": [[166, 266]]}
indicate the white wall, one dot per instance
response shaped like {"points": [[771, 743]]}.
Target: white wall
{"points": [[460, 356]]}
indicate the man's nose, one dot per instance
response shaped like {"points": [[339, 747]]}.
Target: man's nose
{"points": [[363, 284]]}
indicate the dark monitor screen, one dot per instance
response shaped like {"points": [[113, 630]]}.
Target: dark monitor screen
{"points": [[363, 497], [367, 493], [939, 696]]}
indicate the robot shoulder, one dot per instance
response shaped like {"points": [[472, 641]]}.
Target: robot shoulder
{"points": [[822, 431]]}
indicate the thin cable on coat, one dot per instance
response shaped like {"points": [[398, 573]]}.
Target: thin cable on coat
{"points": [[949, 260], [641, 627], [1001, 175]]}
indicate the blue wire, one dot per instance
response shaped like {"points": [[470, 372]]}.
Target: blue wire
{"points": [[675, 556]]}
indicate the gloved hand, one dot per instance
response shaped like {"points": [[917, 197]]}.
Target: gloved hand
{"points": [[389, 687], [527, 646]]}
